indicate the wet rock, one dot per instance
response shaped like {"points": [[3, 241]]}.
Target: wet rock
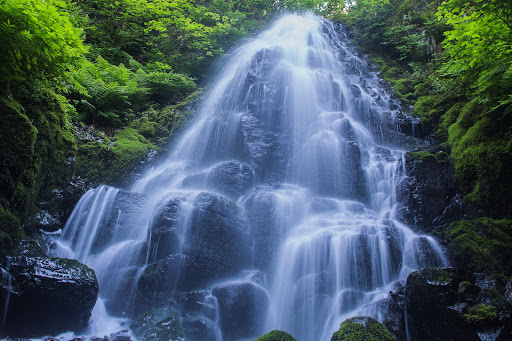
{"points": [[230, 178], [260, 207], [205, 258], [427, 191], [209, 259], [156, 284], [362, 328], [48, 296], [198, 303], [158, 324], [242, 308], [121, 336], [199, 329], [446, 304]]}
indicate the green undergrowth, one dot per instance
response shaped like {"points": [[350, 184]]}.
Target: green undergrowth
{"points": [[480, 245], [110, 158]]}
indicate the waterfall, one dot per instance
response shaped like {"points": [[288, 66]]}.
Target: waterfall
{"points": [[275, 208]]}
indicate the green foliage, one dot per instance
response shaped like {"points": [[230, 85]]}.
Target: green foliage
{"points": [[38, 42], [276, 335], [362, 328], [480, 245], [112, 96], [183, 34], [479, 47]]}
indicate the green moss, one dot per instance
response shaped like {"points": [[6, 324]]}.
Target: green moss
{"points": [[36, 146], [362, 328], [481, 245], [440, 156], [404, 88], [480, 313], [482, 161], [109, 162], [430, 108], [276, 335]]}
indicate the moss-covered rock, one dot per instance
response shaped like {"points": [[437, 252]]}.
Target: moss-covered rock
{"points": [[109, 161], [362, 328], [482, 156], [36, 152], [276, 335], [480, 245]]}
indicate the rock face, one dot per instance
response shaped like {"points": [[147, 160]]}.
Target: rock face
{"points": [[446, 304], [205, 258], [362, 328], [242, 308], [48, 296], [158, 324], [229, 178], [428, 193]]}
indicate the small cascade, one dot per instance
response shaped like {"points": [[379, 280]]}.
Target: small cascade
{"points": [[5, 277], [275, 208]]}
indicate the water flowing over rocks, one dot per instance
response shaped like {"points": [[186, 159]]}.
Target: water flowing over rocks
{"points": [[274, 210], [242, 309], [47, 296]]}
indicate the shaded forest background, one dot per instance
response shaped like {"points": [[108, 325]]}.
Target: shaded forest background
{"points": [[91, 89]]}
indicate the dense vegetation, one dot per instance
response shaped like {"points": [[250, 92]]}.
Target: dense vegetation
{"points": [[90, 87]]}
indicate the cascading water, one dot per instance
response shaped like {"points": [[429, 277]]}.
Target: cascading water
{"points": [[276, 207]]}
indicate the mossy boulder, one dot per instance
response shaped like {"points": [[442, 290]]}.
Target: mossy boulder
{"points": [[276, 335], [362, 328], [110, 160]]}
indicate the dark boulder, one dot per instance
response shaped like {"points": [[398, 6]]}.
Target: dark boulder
{"points": [[174, 232], [158, 324], [427, 191], [229, 178], [155, 285], [446, 304], [242, 308], [48, 296], [208, 259], [199, 329]]}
